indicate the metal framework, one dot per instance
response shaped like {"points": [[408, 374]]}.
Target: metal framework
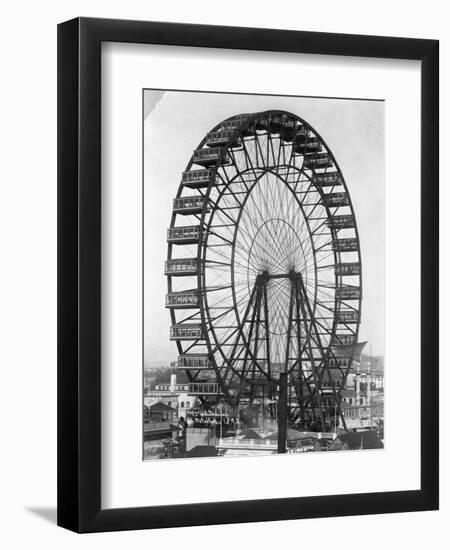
{"points": [[264, 267]]}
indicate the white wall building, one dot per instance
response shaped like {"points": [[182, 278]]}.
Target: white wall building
{"points": [[172, 394]]}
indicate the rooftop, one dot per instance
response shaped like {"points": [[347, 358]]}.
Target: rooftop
{"points": [[361, 440], [160, 407], [201, 451]]}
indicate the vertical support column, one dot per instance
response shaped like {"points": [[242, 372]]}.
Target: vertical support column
{"points": [[299, 352], [357, 389], [282, 413], [257, 314], [267, 337], [288, 337], [304, 303]]}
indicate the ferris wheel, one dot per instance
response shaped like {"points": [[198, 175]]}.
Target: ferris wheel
{"points": [[264, 266]]}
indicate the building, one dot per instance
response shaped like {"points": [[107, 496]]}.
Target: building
{"points": [[363, 397], [243, 446], [376, 380], [172, 394]]}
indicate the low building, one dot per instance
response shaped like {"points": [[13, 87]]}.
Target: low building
{"points": [[160, 429], [160, 412], [370, 408], [172, 394], [196, 437], [236, 446]]}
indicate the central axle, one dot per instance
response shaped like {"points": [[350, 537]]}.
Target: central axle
{"points": [[266, 276]]}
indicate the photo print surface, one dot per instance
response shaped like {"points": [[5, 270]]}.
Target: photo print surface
{"points": [[263, 274]]}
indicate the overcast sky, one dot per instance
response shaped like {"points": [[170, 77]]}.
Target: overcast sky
{"points": [[175, 123]]}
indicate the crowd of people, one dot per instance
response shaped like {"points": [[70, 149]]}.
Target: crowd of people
{"points": [[223, 422]]}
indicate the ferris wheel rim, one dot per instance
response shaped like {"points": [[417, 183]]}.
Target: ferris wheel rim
{"points": [[201, 247]]}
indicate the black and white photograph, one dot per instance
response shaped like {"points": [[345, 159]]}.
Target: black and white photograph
{"points": [[225, 250], [263, 274]]}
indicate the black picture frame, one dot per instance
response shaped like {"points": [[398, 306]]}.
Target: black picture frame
{"points": [[79, 274]]}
